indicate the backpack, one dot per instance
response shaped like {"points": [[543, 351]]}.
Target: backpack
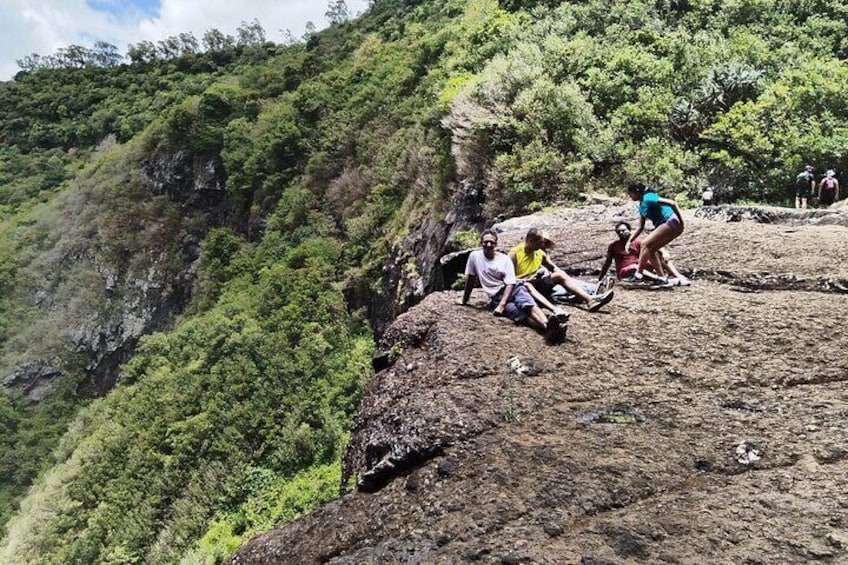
{"points": [[829, 183], [803, 179]]}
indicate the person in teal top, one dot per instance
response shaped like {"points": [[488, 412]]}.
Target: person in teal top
{"points": [[668, 224], [650, 207]]}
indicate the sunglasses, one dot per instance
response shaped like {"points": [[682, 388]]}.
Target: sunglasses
{"points": [[489, 243], [622, 231]]}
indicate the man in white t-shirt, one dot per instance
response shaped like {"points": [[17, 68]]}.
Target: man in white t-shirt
{"points": [[507, 295]]}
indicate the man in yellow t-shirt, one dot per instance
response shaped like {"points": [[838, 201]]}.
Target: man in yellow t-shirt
{"points": [[533, 265]]}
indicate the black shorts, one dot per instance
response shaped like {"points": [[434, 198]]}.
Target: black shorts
{"points": [[544, 284], [826, 197], [802, 192]]}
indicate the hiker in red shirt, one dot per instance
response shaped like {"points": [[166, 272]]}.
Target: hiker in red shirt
{"points": [[627, 261]]}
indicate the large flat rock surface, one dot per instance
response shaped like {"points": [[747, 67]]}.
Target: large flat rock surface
{"points": [[700, 424], [803, 244]]}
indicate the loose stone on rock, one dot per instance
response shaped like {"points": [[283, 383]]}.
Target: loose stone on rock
{"points": [[747, 453]]}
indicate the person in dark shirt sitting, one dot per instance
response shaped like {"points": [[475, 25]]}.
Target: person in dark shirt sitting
{"points": [[627, 260]]}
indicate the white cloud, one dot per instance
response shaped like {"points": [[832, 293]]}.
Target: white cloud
{"points": [[43, 26]]}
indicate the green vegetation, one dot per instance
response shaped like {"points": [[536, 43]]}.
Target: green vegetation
{"points": [[230, 415], [324, 156]]}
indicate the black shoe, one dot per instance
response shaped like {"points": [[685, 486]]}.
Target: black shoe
{"points": [[555, 330], [551, 329], [661, 282]]}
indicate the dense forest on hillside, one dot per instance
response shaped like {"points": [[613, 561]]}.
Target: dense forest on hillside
{"points": [[317, 161]]}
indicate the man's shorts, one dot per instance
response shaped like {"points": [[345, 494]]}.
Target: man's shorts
{"points": [[515, 305], [543, 283], [802, 192]]}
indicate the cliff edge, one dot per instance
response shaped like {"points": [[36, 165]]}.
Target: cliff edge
{"points": [[675, 425]]}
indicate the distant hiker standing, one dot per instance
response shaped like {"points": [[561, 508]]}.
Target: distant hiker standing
{"points": [[707, 197], [668, 224], [828, 189], [507, 295], [626, 262], [805, 183], [532, 264]]}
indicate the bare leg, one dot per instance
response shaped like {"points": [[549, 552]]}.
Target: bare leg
{"points": [[672, 269], [536, 318], [804, 203], [647, 273], [540, 298], [658, 238], [645, 257], [656, 259], [569, 283]]}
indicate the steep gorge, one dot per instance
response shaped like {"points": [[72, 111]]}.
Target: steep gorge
{"points": [[117, 262], [298, 198]]}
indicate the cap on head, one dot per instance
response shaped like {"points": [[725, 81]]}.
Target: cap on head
{"points": [[830, 173], [808, 167]]}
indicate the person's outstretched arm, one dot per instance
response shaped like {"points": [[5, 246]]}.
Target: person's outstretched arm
{"points": [[547, 263], [507, 292], [607, 263], [639, 229], [470, 283]]}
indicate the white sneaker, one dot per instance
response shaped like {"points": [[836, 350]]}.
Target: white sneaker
{"points": [[682, 281], [596, 302]]}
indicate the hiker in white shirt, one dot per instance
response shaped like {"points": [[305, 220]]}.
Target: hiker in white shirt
{"points": [[507, 295]]}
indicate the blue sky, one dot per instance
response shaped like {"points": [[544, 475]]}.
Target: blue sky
{"points": [[126, 8], [43, 26]]}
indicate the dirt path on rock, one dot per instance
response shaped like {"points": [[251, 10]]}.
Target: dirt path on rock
{"points": [[699, 424]]}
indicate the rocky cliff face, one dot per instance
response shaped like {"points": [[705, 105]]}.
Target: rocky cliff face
{"points": [[117, 270], [675, 425], [412, 270]]}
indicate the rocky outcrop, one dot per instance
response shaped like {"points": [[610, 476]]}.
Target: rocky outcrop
{"points": [[195, 181], [35, 379], [139, 306], [700, 421], [412, 269], [100, 288], [774, 215]]}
